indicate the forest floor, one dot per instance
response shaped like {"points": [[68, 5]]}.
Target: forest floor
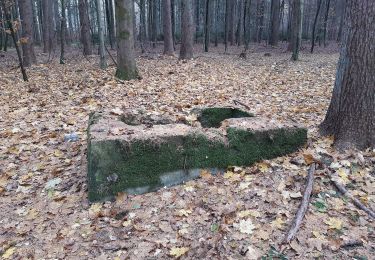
{"points": [[243, 214]]}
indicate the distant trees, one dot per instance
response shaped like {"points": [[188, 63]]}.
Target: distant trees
{"points": [[26, 13], [85, 27], [351, 114], [296, 33]]}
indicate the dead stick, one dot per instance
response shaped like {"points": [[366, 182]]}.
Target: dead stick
{"points": [[355, 201], [303, 207], [240, 103], [110, 55]]}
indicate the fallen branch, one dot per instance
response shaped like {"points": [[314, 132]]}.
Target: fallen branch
{"points": [[352, 244], [236, 102], [355, 201], [110, 55], [303, 207]]}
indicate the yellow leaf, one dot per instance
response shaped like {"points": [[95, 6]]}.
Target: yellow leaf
{"points": [[278, 223], [343, 176], [309, 158], [205, 174], [178, 251], [9, 252], [245, 226], [263, 167], [183, 212], [334, 223], [58, 153], [127, 223], [228, 175]]}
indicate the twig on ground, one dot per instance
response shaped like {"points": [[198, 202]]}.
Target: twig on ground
{"points": [[354, 200], [303, 207], [236, 102], [110, 55], [352, 244]]}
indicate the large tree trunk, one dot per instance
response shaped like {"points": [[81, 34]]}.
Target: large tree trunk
{"points": [[296, 37], [126, 66], [85, 27], [47, 24], [26, 12], [167, 28], [110, 22], [275, 22], [351, 114], [99, 11], [319, 4], [186, 50]]}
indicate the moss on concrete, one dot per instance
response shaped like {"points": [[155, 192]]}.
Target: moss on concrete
{"points": [[118, 165], [213, 116]]}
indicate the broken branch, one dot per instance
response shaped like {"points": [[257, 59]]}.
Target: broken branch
{"points": [[303, 207]]}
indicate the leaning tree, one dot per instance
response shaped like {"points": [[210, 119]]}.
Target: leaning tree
{"points": [[351, 114]]}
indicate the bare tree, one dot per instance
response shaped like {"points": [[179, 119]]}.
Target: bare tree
{"points": [[207, 26], [99, 11], [126, 66], [351, 114], [167, 28], [296, 37], [275, 22], [62, 32], [318, 6], [26, 13], [186, 50], [85, 27], [47, 24]]}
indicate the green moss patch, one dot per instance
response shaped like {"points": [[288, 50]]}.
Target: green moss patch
{"points": [[213, 116], [147, 158]]}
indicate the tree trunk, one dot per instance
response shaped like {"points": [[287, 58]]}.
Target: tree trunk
{"points": [[142, 25], [275, 22], [14, 37], [37, 39], [85, 27], [207, 26], [173, 17], [260, 20], [186, 50], [99, 9], [216, 22], [154, 23], [126, 66], [351, 115], [62, 32], [110, 22], [47, 24], [247, 24], [197, 19], [296, 38], [319, 3], [232, 23], [27, 41], [240, 31], [167, 28], [226, 29], [326, 22]]}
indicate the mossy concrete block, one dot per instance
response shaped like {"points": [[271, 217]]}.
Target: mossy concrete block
{"points": [[138, 153]]}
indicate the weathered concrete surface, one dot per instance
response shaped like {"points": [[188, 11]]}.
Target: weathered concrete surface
{"points": [[137, 153]]}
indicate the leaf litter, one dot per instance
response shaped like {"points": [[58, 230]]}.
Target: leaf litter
{"points": [[242, 214]]}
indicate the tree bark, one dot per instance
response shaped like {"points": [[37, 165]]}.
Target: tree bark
{"points": [[126, 65], [154, 23], [27, 41], [232, 23], [207, 26], [226, 29], [240, 31], [186, 50], [110, 22], [99, 11], [296, 38], [326, 22], [62, 33], [85, 27], [318, 3], [167, 28], [247, 24], [142, 25], [47, 7], [351, 114], [275, 22], [36, 35]]}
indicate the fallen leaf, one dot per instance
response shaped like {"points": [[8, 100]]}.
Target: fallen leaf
{"points": [[178, 251]]}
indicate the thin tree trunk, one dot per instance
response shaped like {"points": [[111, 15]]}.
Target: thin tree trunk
{"points": [[142, 19], [275, 22], [319, 3], [326, 22], [247, 24], [173, 24], [197, 19], [14, 37], [297, 28], [232, 23], [103, 62], [167, 28], [187, 34], [207, 26], [216, 21], [62, 32], [36, 26], [240, 31], [154, 23], [351, 114], [47, 25], [126, 65], [110, 22], [226, 30], [26, 12]]}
